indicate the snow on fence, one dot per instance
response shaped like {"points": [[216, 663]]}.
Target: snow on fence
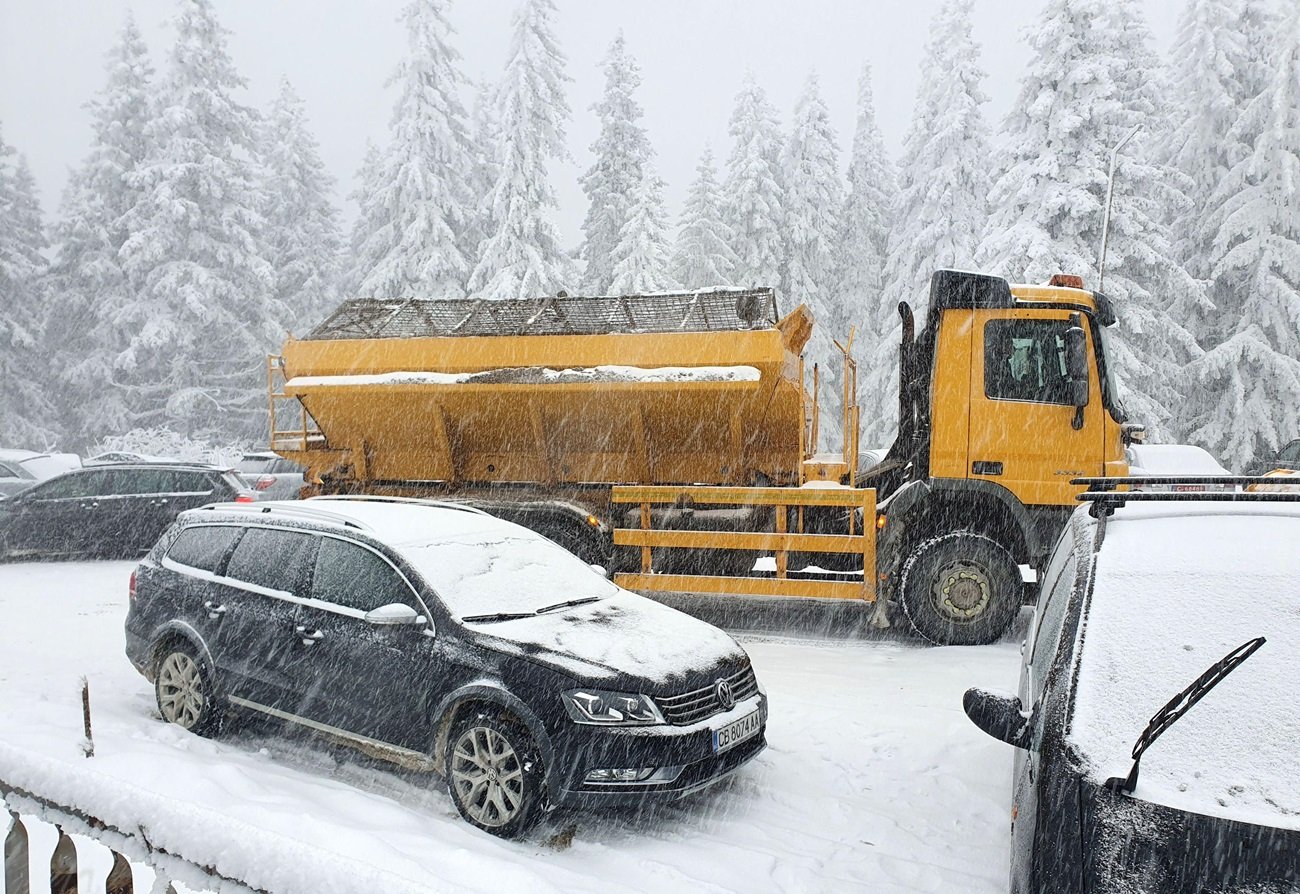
{"points": [[85, 847]]}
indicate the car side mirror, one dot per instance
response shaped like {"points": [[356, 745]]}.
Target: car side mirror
{"points": [[599, 569], [999, 715], [394, 614]]}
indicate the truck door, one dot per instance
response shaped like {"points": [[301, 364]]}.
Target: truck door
{"points": [[1022, 434]]}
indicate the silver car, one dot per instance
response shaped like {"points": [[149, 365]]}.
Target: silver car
{"points": [[272, 476], [20, 469]]}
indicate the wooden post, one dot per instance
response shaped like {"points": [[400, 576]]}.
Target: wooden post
{"points": [[63, 866], [87, 747], [119, 879], [17, 878]]}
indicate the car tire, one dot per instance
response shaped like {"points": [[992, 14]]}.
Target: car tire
{"points": [[961, 589], [494, 774], [184, 692]]}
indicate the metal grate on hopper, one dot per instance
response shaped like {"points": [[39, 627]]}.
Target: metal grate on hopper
{"points": [[713, 310]]}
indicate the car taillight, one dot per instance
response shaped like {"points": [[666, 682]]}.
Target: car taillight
{"points": [[245, 498], [264, 481], [131, 586]]}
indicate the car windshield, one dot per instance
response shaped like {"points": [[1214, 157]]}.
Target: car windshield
{"points": [[1207, 580], [50, 465], [504, 571]]}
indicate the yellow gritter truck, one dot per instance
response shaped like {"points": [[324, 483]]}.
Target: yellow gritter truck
{"points": [[671, 438]]}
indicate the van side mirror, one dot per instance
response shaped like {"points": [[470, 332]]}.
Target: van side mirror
{"points": [[393, 614], [999, 715]]}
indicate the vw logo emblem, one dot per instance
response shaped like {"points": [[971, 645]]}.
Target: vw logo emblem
{"points": [[722, 689]]}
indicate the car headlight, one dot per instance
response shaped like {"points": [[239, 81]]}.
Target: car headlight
{"points": [[611, 708]]}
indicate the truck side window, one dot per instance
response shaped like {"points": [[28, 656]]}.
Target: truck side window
{"points": [[1024, 360]]}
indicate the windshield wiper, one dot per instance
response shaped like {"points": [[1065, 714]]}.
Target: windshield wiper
{"points": [[572, 602], [1179, 705], [499, 616]]}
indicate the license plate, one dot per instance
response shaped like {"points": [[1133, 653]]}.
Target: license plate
{"points": [[736, 732]]}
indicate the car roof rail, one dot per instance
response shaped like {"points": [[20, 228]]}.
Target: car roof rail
{"points": [[305, 512], [415, 501], [1105, 496]]}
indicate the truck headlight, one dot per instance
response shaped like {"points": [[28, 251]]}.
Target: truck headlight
{"points": [[611, 708]]}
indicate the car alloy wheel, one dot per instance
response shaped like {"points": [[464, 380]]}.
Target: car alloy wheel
{"points": [[494, 775], [184, 696]]}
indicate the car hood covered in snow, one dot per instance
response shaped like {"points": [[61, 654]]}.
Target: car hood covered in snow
{"points": [[1176, 589], [499, 568], [623, 635]]}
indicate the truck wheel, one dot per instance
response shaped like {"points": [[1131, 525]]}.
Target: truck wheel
{"points": [[961, 589]]}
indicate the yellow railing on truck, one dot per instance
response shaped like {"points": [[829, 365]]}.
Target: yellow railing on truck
{"points": [[781, 541]]}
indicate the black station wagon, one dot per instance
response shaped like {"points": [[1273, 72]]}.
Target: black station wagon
{"points": [[444, 639], [1156, 725], [109, 510]]}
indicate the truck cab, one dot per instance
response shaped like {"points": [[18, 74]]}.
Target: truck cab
{"points": [[1006, 396]]}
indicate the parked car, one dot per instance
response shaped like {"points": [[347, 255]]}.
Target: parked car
{"points": [[442, 638], [1286, 458], [271, 475], [1142, 613], [109, 510], [20, 469], [125, 456], [1178, 460]]}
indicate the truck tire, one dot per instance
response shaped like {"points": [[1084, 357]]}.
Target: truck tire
{"points": [[960, 589]]}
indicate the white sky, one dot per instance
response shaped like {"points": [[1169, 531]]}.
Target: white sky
{"points": [[338, 54]]}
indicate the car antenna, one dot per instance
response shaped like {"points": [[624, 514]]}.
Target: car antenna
{"points": [[1179, 705]]}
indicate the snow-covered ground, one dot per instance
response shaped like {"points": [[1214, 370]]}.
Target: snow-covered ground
{"points": [[874, 779]]}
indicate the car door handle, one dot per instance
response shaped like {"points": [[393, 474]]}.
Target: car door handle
{"points": [[309, 638], [214, 611]]}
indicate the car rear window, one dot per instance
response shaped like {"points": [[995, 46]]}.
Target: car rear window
{"points": [[271, 559], [203, 547], [255, 465]]}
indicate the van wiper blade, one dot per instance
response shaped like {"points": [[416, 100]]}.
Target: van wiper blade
{"points": [[499, 616], [572, 602], [1179, 705]]}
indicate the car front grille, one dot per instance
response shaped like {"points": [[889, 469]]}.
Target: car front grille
{"points": [[698, 704]]}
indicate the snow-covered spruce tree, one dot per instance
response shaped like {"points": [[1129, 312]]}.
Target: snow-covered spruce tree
{"points": [[752, 193], [522, 258], [302, 224], [942, 205], [423, 189], [1216, 70], [26, 413], [1090, 81], [814, 196], [1251, 380], [203, 312], [86, 290], [370, 218], [485, 135], [864, 235], [642, 258], [702, 255], [613, 181]]}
